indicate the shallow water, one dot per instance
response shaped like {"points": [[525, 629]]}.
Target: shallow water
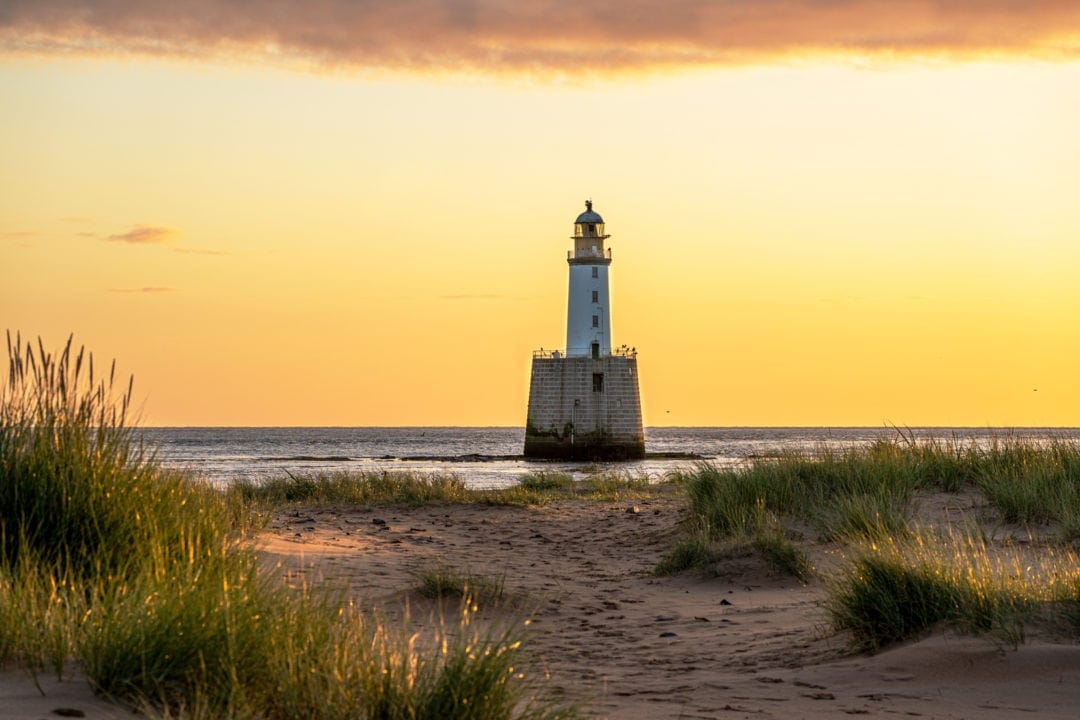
{"points": [[491, 456]]}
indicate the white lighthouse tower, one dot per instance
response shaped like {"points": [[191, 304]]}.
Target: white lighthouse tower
{"points": [[588, 309], [584, 402]]}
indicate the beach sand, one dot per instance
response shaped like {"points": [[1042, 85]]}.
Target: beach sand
{"points": [[608, 633], [20, 699], [605, 632]]}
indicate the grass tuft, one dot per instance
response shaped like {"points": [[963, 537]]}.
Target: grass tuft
{"points": [[389, 488], [897, 589], [869, 516], [443, 581], [546, 480], [1035, 490], [366, 488], [865, 492], [694, 551], [783, 555]]}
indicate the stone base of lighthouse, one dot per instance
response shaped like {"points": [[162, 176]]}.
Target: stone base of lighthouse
{"points": [[584, 408]]}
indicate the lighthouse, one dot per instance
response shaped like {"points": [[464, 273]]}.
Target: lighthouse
{"points": [[584, 401], [588, 306]]}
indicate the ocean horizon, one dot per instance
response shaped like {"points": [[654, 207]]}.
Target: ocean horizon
{"points": [[491, 456]]}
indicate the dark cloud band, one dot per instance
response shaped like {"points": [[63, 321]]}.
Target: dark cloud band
{"points": [[542, 35]]}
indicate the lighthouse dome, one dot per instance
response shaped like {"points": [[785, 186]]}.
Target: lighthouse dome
{"points": [[590, 226], [589, 216]]}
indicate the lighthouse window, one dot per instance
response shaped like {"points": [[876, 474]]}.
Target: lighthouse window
{"points": [[598, 382], [596, 296], [596, 321], [596, 272]]}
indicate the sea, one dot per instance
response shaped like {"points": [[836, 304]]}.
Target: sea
{"points": [[491, 457]]}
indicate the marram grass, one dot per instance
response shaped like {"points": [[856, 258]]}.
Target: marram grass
{"points": [[377, 488], [146, 580], [77, 490], [848, 492], [699, 551], [861, 497], [363, 488], [894, 590], [444, 581], [546, 480], [866, 492]]}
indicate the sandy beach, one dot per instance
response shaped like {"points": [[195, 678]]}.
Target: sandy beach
{"points": [[627, 644], [608, 634]]}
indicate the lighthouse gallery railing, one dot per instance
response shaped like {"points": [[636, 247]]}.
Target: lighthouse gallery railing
{"points": [[584, 254], [621, 351]]}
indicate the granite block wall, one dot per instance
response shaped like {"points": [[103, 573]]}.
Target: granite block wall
{"points": [[584, 408]]}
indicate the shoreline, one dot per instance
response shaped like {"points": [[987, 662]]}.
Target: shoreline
{"points": [[493, 457]]}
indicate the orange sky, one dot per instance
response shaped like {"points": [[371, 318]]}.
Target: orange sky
{"points": [[826, 214]]}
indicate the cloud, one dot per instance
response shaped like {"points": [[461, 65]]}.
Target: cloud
{"points": [[20, 234], [144, 235], [540, 35], [154, 235], [143, 290]]}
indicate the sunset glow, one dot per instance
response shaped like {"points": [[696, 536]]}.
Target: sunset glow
{"points": [[836, 214]]}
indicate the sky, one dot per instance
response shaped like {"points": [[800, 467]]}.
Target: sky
{"points": [[357, 212]]}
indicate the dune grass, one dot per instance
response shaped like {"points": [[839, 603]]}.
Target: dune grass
{"points": [[776, 550], [359, 669], [768, 539], [146, 580], [850, 492], [1035, 485], [900, 581], [695, 550], [445, 581], [782, 554], [546, 480], [866, 491], [894, 590], [77, 490], [376, 488], [843, 494], [39, 614], [364, 488]]}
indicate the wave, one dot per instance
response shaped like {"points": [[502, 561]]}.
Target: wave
{"points": [[467, 457], [306, 458]]}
